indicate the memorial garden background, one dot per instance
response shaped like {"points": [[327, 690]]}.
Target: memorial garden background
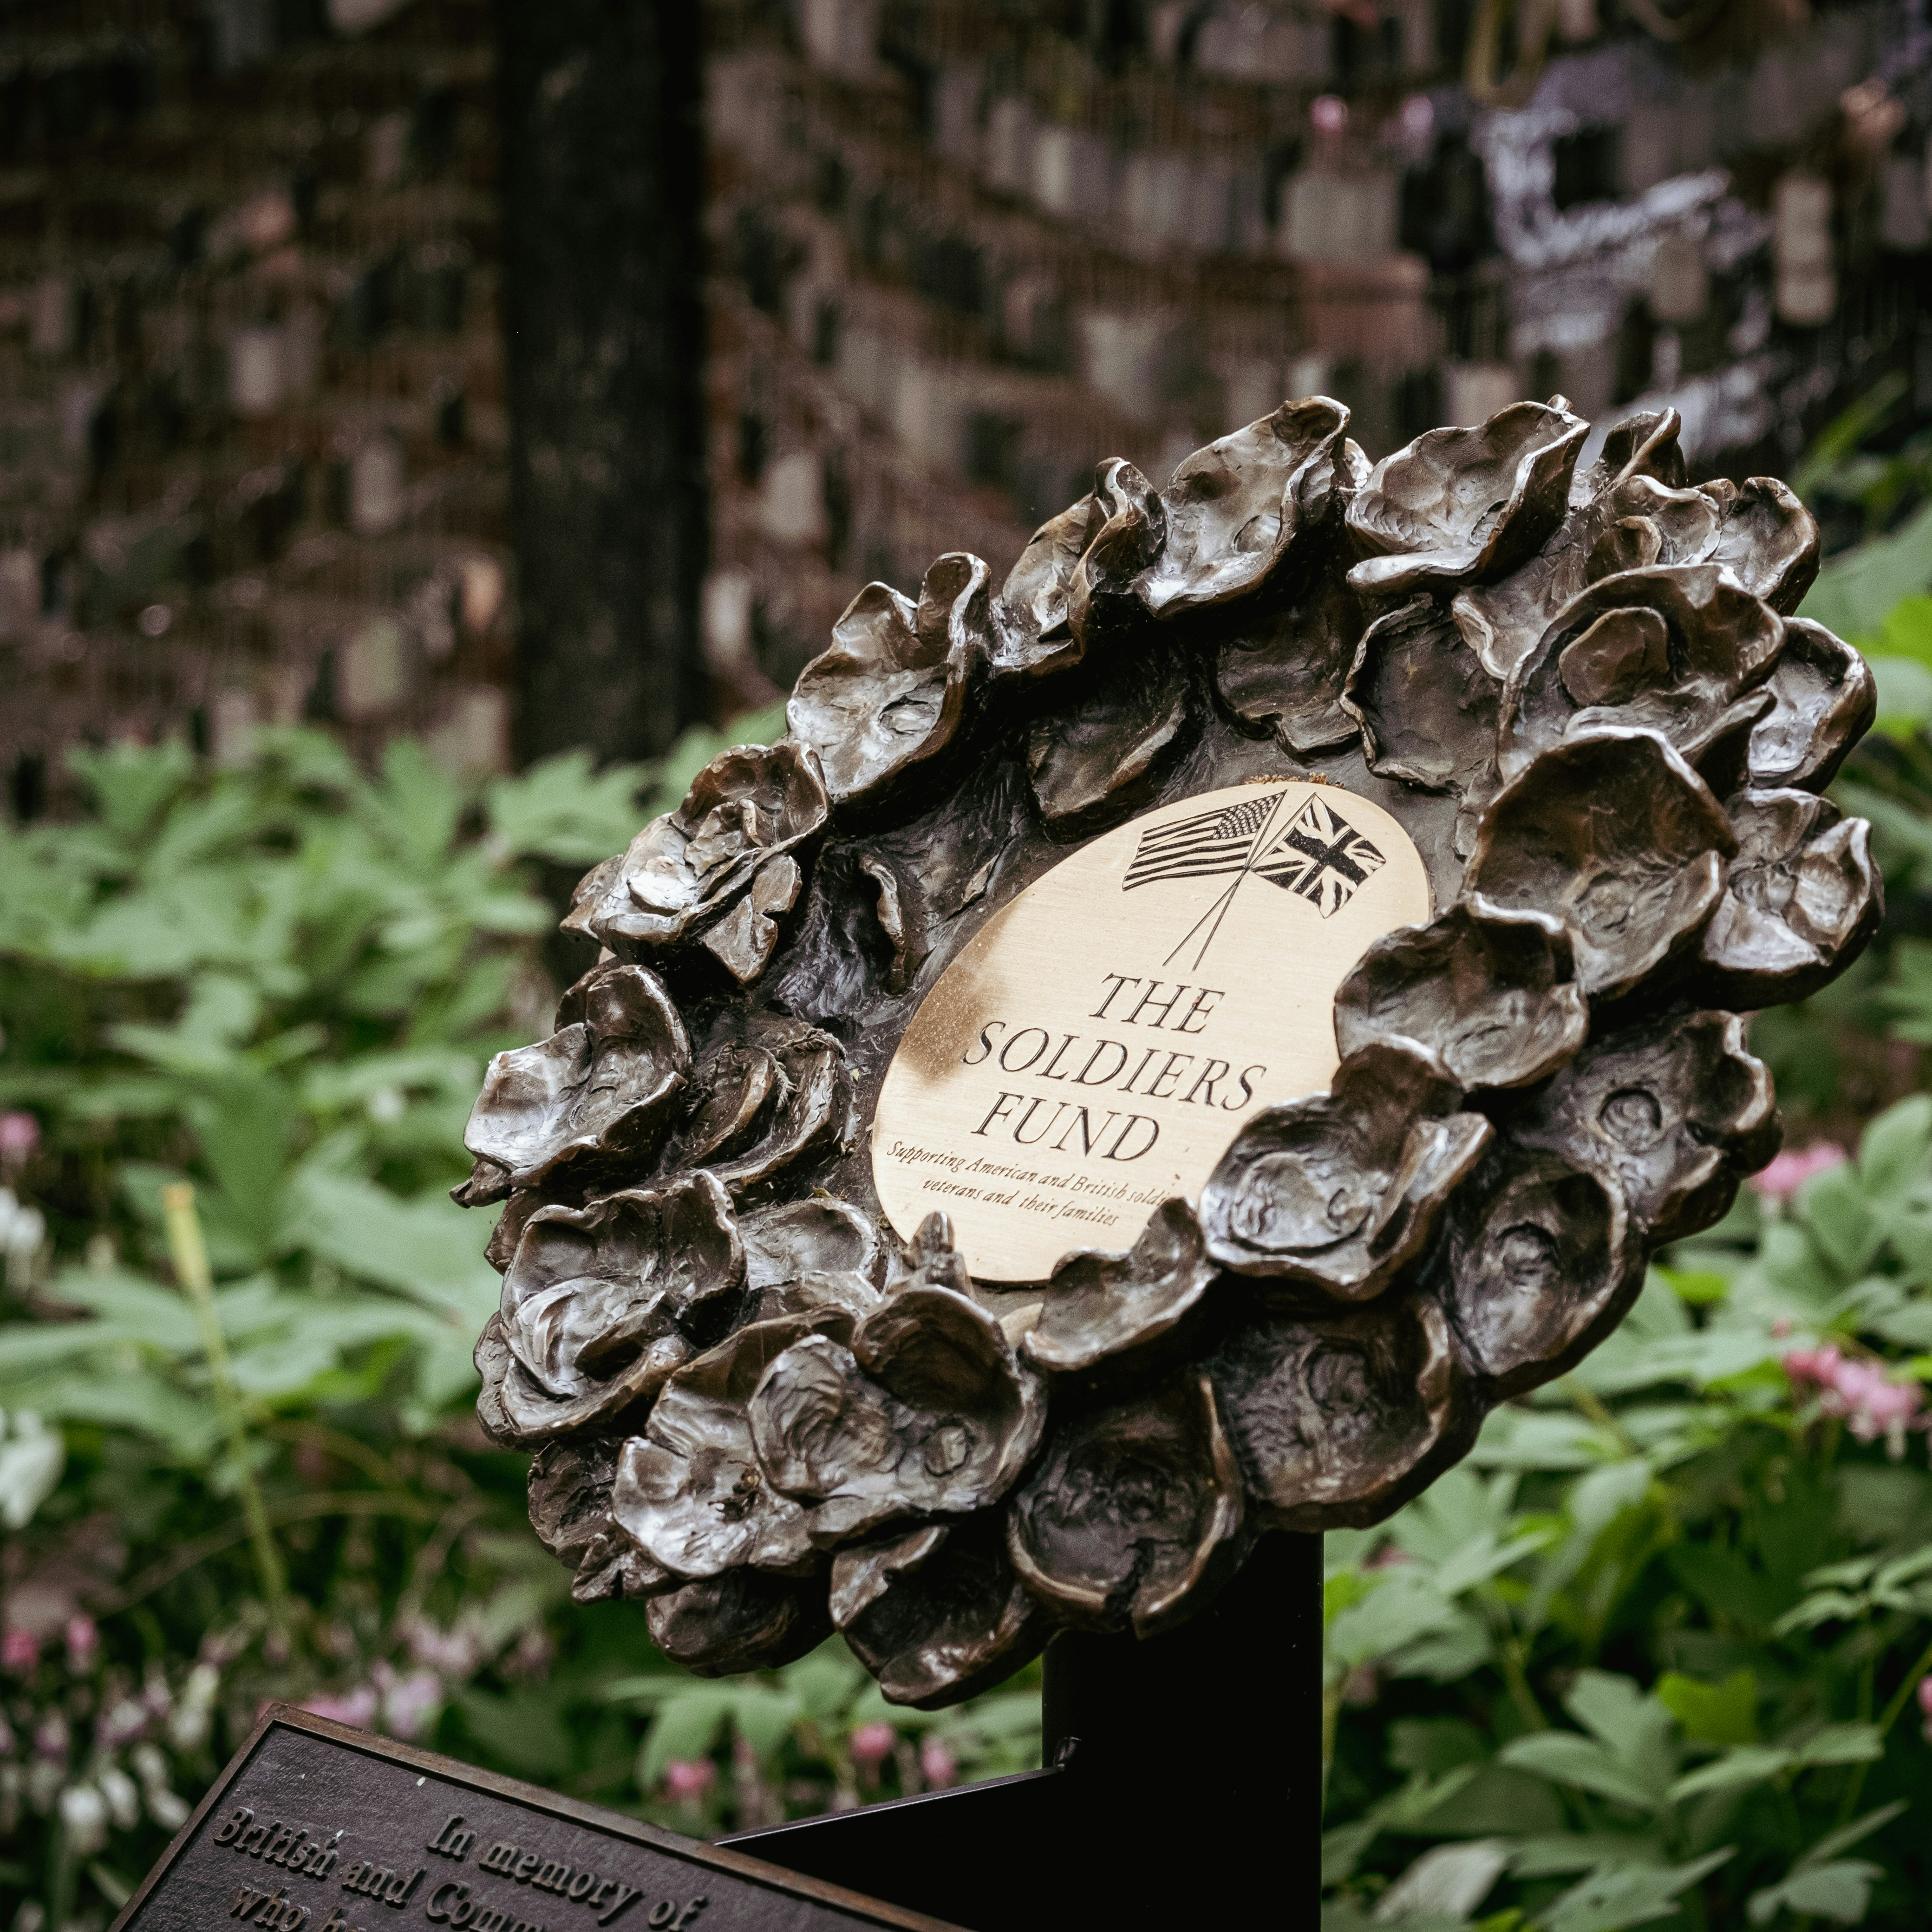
{"points": [[270, 891]]}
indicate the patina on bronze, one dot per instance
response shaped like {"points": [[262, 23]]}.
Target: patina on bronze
{"points": [[316, 1827], [1443, 812]]}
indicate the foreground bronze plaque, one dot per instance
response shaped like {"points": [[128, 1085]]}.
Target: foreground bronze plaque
{"points": [[317, 1828], [1097, 1044]]}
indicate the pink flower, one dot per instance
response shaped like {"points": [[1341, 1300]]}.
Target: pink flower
{"points": [[688, 1779], [19, 1651], [937, 1764], [83, 1644], [456, 1652], [1925, 1704], [1795, 1166], [19, 1136], [1870, 1402], [411, 1702], [1329, 114], [533, 1656], [872, 1744], [1813, 1365], [357, 1707]]}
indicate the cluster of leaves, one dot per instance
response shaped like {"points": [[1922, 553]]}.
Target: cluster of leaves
{"points": [[278, 984], [1653, 1648]]}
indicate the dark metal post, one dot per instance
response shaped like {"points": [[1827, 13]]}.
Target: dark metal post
{"points": [[602, 177], [1189, 1784]]}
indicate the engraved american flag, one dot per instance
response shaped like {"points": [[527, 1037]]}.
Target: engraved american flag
{"points": [[1315, 853]]}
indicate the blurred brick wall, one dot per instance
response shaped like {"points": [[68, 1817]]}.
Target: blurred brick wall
{"points": [[962, 251], [251, 418], [252, 431]]}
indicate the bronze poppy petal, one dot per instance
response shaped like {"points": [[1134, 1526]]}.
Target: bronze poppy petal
{"points": [[596, 1095], [1337, 1419], [1801, 900], [1234, 509], [1544, 1262], [1457, 504], [937, 1614], [1132, 1515], [1825, 699], [1340, 1191], [740, 1620], [1613, 832], [1489, 994], [1674, 1111]]}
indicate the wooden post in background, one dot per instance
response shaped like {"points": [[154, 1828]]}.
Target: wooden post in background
{"points": [[601, 182]]}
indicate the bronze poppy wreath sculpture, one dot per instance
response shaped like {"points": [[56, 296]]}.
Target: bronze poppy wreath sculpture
{"points": [[1582, 692]]}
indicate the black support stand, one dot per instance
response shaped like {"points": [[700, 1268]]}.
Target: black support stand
{"points": [[1184, 1783]]}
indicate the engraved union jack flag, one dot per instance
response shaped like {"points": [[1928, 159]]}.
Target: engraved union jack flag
{"points": [[1314, 853]]}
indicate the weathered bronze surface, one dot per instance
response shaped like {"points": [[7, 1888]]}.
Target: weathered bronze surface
{"points": [[314, 1824], [1577, 700]]}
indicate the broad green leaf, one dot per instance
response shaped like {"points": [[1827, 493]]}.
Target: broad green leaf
{"points": [[1895, 1150], [1396, 1612], [1432, 1744], [1713, 1714], [1841, 1744], [1834, 1211], [1341, 1849], [764, 1717], [1839, 1891], [1628, 1894], [1564, 1758], [1737, 1770], [1450, 1881], [1548, 1857], [526, 1727], [1634, 1727], [1854, 593], [559, 809]]}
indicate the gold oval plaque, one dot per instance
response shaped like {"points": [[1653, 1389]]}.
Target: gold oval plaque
{"points": [[1098, 1042]]}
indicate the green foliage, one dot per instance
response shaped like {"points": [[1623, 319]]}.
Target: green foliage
{"points": [[1660, 1634], [1651, 1656], [279, 984]]}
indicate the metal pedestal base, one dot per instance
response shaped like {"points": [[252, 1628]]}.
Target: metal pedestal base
{"points": [[1184, 1783]]}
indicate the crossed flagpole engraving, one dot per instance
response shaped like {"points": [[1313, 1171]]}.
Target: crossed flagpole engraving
{"points": [[1317, 855]]}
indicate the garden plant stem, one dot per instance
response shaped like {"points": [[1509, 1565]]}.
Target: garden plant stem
{"points": [[189, 1253]]}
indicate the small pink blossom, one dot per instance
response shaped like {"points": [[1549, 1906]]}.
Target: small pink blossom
{"points": [[19, 1651], [51, 1738], [410, 1702], [1925, 1704], [1871, 1403], [456, 1652], [357, 1708], [872, 1744], [937, 1764], [83, 1644], [1328, 114], [1795, 1166], [688, 1779], [19, 1138], [533, 1656]]}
